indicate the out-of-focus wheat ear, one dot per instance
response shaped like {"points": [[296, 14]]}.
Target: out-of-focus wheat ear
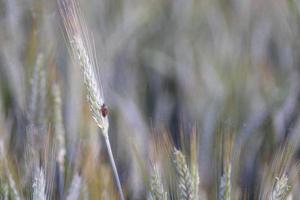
{"points": [[12, 185], [4, 191], [281, 188], [1, 114], [59, 128], [225, 184], [156, 186], [59, 133], [185, 182], [39, 185], [198, 192], [11, 181], [74, 190], [41, 121], [33, 98], [85, 195], [196, 180], [289, 197], [3, 161]]}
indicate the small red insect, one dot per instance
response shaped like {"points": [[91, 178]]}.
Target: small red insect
{"points": [[104, 110]]}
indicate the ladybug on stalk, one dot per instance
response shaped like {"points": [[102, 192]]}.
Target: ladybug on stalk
{"points": [[104, 110]]}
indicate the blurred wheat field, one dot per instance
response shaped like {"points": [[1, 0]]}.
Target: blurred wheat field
{"points": [[203, 99]]}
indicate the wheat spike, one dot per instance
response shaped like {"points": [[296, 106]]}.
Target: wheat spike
{"points": [[59, 135], [35, 81], [74, 190], [225, 184], [184, 176], [157, 188], [11, 182], [93, 92], [59, 128], [83, 52], [39, 185], [281, 188], [196, 181], [81, 48], [12, 185], [41, 121], [5, 192]]}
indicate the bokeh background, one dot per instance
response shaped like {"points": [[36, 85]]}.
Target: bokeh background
{"points": [[222, 68]]}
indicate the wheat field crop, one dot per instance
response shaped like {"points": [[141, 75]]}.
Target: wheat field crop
{"points": [[149, 99]]}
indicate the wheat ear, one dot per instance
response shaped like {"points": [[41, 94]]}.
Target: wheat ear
{"points": [[59, 128], [39, 185], [82, 50], [59, 135], [225, 184], [186, 188], [281, 188], [196, 180], [157, 188], [74, 190]]}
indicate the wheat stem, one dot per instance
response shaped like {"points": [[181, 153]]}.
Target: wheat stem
{"points": [[113, 164]]}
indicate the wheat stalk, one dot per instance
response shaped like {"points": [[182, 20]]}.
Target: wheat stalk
{"points": [[186, 188], [82, 50]]}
